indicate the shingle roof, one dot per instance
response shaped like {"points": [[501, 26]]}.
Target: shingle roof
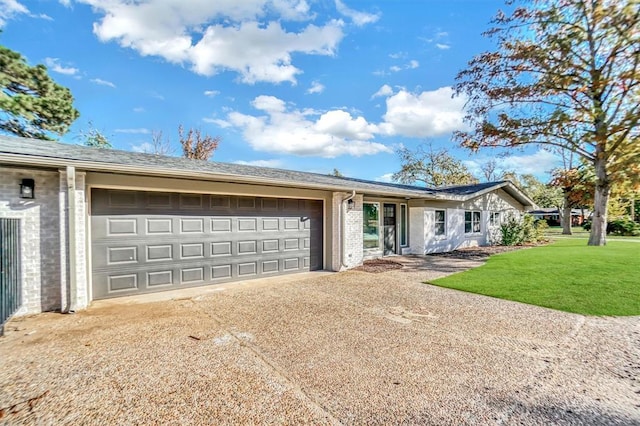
{"points": [[55, 154]]}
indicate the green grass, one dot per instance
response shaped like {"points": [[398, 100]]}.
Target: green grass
{"points": [[578, 232], [567, 275]]}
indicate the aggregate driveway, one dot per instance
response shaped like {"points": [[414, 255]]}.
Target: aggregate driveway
{"points": [[348, 348]]}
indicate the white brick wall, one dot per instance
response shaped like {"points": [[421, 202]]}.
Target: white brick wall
{"points": [[40, 236], [82, 291], [352, 237]]}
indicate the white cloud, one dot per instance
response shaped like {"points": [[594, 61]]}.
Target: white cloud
{"points": [[292, 131], [427, 114], [387, 177], [211, 93], [231, 35], [398, 55], [223, 124], [384, 91], [102, 82], [54, 65], [316, 87], [443, 46], [261, 163], [358, 18], [138, 109], [138, 131], [65, 3], [9, 9], [539, 163], [412, 64]]}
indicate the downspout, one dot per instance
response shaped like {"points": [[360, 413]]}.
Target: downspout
{"points": [[71, 222], [343, 211]]}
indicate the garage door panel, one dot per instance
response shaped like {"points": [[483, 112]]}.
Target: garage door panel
{"points": [[146, 242]]}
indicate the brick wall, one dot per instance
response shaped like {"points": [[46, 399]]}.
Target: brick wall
{"points": [[352, 237], [81, 297], [40, 236]]}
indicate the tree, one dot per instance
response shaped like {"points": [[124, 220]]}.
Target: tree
{"points": [[544, 195], [577, 185], [94, 138], [196, 146], [159, 145], [336, 173], [32, 105], [566, 73], [432, 168]]}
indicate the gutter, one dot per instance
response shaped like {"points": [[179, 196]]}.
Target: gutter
{"points": [[343, 220], [72, 241]]}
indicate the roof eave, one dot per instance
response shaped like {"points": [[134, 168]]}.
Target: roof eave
{"points": [[20, 159]]}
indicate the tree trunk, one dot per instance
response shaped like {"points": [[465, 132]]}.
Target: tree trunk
{"points": [[598, 236], [566, 221]]}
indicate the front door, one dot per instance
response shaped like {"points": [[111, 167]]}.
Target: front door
{"points": [[389, 218]]}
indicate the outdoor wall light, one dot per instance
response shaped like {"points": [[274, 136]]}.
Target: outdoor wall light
{"points": [[28, 189], [350, 204]]}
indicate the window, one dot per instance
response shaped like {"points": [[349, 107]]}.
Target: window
{"points": [[494, 219], [441, 222], [403, 225], [471, 222], [371, 225]]}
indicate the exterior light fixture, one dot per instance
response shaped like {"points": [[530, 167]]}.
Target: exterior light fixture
{"points": [[350, 204], [28, 189]]}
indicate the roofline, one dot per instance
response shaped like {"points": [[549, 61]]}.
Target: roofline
{"points": [[23, 159], [507, 183]]}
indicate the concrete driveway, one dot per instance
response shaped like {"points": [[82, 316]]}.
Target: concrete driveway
{"points": [[348, 348]]}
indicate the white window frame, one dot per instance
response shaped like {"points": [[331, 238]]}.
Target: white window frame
{"points": [[436, 222], [473, 222], [404, 220], [495, 218], [379, 246]]}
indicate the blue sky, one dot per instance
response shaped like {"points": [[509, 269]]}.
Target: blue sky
{"points": [[298, 84]]}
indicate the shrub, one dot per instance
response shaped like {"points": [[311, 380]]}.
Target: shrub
{"points": [[515, 231], [511, 232], [624, 227]]}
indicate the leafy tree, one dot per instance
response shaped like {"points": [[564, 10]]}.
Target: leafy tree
{"points": [[577, 186], [196, 146], [31, 104], [336, 173], [94, 138], [566, 73], [432, 168], [544, 195]]}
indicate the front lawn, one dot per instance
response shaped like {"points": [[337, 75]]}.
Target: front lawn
{"points": [[567, 275]]}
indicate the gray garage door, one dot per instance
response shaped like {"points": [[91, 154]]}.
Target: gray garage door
{"points": [[144, 242]]}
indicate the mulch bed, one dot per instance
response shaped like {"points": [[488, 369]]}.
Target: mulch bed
{"points": [[480, 253], [375, 266]]}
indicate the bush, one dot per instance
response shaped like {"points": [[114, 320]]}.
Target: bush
{"points": [[516, 231], [621, 227]]}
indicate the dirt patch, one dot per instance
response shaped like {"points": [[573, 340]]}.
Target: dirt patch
{"points": [[375, 266]]}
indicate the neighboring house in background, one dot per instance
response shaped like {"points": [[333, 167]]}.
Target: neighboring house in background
{"points": [[108, 223], [552, 216]]}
